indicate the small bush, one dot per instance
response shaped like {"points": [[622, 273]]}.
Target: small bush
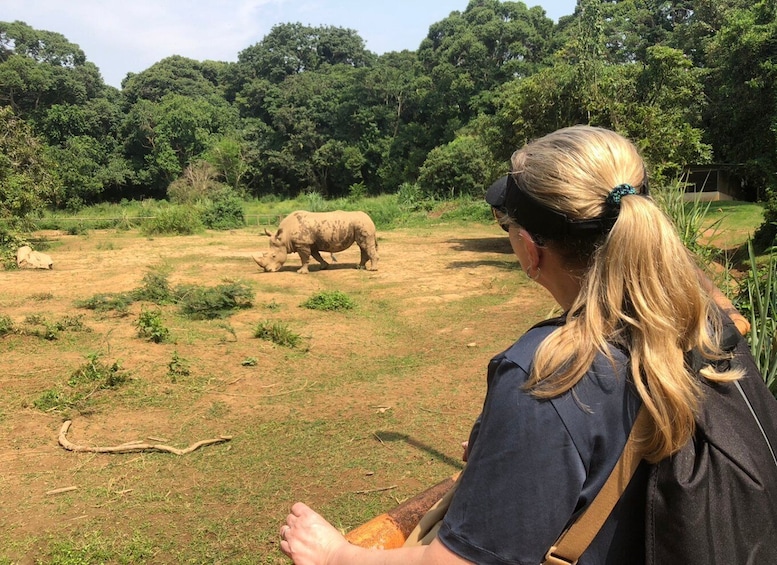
{"points": [[223, 211], [357, 191], [150, 326], [156, 288], [278, 333], [329, 300]]}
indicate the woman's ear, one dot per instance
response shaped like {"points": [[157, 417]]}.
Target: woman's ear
{"points": [[533, 251]]}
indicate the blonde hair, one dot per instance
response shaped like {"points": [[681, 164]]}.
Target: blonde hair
{"points": [[640, 288]]}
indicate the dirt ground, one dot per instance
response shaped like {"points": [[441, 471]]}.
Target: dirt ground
{"points": [[313, 423]]}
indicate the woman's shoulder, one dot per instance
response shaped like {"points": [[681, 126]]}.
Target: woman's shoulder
{"points": [[521, 352]]}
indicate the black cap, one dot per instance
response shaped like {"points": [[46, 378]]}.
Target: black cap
{"points": [[506, 195], [496, 193]]}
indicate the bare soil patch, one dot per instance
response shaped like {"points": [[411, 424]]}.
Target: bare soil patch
{"points": [[379, 397]]}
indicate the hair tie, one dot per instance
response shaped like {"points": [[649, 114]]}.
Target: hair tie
{"points": [[614, 198]]}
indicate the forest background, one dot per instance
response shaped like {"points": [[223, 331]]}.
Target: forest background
{"points": [[308, 117], [310, 110]]}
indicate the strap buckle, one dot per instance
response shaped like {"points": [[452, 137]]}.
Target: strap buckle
{"points": [[551, 558]]}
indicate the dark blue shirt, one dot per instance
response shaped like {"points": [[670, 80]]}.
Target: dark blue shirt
{"points": [[534, 465]]}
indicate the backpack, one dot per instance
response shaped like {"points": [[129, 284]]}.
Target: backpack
{"points": [[715, 501]]}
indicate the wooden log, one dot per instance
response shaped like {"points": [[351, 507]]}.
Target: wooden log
{"points": [[391, 529]]}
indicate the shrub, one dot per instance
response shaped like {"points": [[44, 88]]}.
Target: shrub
{"points": [[156, 287], [223, 211], [9, 244], [329, 300], [687, 217], [201, 303], [174, 220], [457, 169], [759, 300]]}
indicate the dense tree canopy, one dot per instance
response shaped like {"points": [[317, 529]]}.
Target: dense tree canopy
{"points": [[310, 109]]}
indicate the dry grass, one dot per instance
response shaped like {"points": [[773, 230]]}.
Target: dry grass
{"points": [[381, 396]]}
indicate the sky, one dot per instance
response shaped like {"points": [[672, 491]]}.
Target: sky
{"points": [[123, 36]]}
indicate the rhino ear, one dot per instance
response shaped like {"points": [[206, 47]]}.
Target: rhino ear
{"points": [[268, 234]]}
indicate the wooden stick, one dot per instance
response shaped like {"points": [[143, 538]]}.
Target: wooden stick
{"points": [[132, 447], [61, 490]]}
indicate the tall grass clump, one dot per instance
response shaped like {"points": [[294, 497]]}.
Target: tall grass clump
{"points": [[174, 220], [760, 302], [278, 333], [688, 218]]}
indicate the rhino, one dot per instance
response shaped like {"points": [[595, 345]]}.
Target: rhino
{"points": [[310, 233]]}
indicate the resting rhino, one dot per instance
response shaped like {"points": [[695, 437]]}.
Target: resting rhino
{"points": [[310, 233]]}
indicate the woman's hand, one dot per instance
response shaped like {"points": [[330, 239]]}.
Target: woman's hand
{"points": [[308, 539]]}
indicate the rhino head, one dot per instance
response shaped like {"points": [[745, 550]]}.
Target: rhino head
{"points": [[276, 256]]}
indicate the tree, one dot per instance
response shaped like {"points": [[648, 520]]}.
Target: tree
{"points": [[742, 115], [293, 48], [469, 53], [228, 156], [27, 184], [174, 75], [41, 68], [162, 138]]}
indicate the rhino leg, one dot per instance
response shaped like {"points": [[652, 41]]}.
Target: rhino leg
{"points": [[369, 251], [304, 256], [317, 256]]}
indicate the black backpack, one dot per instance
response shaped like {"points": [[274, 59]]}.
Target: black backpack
{"points": [[715, 501]]}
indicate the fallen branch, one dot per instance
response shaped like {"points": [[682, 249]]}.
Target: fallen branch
{"points": [[382, 489], [132, 447]]}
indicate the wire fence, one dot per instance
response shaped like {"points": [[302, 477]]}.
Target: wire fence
{"points": [[250, 220]]}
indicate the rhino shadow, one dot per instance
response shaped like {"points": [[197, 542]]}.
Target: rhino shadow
{"points": [[292, 266], [388, 436]]}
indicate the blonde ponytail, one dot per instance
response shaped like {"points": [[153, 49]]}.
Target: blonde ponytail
{"points": [[640, 288]]}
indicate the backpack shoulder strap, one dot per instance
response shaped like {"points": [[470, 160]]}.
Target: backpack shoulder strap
{"points": [[576, 539]]}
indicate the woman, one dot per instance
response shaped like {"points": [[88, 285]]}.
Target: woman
{"points": [[561, 401]]}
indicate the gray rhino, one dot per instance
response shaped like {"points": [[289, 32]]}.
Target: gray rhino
{"points": [[310, 233]]}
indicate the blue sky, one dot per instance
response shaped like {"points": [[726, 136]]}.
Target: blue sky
{"points": [[122, 36]]}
